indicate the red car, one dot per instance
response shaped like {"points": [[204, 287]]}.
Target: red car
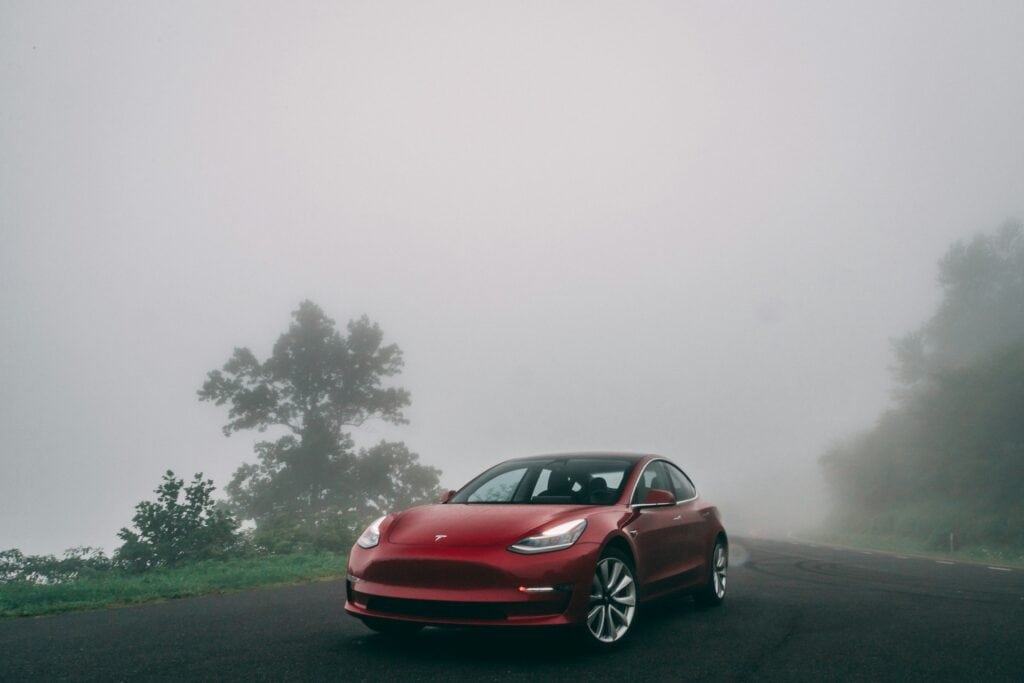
{"points": [[578, 539]]}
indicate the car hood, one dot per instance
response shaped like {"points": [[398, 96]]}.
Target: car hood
{"points": [[476, 524]]}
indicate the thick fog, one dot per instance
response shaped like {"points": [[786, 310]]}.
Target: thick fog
{"points": [[686, 228]]}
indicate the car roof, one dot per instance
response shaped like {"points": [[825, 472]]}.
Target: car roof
{"points": [[628, 455]]}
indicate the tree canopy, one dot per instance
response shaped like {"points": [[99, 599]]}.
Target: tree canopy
{"points": [[982, 308], [311, 484], [314, 378]]}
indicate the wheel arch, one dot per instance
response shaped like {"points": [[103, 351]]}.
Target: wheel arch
{"points": [[622, 544]]}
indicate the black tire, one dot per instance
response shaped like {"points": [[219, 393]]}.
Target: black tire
{"points": [[612, 610], [712, 594], [391, 628]]}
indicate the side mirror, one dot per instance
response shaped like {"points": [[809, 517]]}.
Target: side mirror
{"points": [[658, 497], [447, 496]]}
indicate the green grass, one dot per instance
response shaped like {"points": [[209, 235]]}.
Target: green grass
{"points": [[116, 589], [988, 554]]}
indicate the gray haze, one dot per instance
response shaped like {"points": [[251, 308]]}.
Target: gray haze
{"points": [[676, 227]]}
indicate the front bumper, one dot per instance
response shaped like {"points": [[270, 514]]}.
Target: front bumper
{"points": [[485, 586]]}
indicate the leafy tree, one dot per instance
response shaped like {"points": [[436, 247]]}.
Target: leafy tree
{"points": [[949, 457], [172, 531], [982, 308], [12, 564], [390, 478], [310, 486]]}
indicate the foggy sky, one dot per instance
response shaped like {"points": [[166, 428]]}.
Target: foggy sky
{"points": [[687, 228]]}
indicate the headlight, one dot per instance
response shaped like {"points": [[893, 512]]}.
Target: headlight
{"points": [[371, 536], [555, 538]]}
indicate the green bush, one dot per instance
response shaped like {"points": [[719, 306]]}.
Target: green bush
{"points": [[171, 532], [77, 563]]}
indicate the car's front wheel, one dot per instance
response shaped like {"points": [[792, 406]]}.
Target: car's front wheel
{"points": [[613, 600]]}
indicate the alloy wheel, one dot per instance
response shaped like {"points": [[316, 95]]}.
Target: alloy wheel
{"points": [[612, 600], [720, 568]]}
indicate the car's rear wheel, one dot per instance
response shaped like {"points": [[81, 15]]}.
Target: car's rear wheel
{"points": [[613, 600], [395, 629], [713, 592]]}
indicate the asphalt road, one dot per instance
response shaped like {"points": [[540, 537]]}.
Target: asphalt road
{"points": [[794, 612]]}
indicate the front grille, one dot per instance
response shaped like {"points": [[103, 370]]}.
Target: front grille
{"points": [[437, 609], [463, 611], [424, 573]]}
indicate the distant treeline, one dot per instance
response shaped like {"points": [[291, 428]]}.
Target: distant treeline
{"points": [[948, 458]]}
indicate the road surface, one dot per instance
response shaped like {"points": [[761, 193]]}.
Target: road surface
{"points": [[794, 612]]}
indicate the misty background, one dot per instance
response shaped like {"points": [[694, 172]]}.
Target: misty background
{"points": [[690, 229]]}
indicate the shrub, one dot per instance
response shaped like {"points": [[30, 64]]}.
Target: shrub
{"points": [[171, 532], [77, 563]]}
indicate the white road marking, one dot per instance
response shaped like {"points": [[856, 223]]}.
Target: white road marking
{"points": [[1000, 569], [865, 552], [901, 557], [944, 562]]}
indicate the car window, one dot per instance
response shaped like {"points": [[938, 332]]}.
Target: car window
{"points": [[555, 481], [612, 478], [500, 489], [683, 487], [550, 481], [593, 485], [655, 476]]}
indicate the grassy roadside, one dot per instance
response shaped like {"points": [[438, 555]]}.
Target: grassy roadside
{"points": [[895, 544], [116, 589]]}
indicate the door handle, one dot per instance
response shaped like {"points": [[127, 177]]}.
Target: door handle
{"points": [[633, 533], [677, 518]]}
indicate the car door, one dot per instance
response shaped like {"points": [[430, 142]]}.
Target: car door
{"points": [[658, 535], [692, 522]]}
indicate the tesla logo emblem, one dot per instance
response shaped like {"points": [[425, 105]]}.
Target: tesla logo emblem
{"points": [[438, 537]]}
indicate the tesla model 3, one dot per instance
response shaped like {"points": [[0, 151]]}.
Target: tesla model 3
{"points": [[576, 540]]}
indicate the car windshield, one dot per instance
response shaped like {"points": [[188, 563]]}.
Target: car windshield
{"points": [[550, 481]]}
